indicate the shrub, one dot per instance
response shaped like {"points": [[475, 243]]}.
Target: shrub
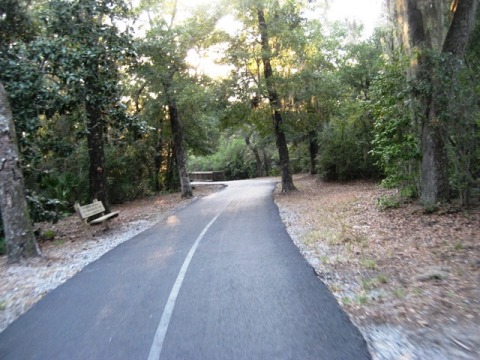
{"points": [[233, 157], [61, 187], [345, 151], [385, 202], [299, 158], [128, 173], [43, 208], [395, 145]]}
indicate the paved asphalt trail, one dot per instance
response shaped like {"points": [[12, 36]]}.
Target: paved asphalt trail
{"points": [[245, 293]]}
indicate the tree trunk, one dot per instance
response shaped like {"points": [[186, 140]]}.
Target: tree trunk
{"points": [[258, 160], [171, 182], [158, 154], [434, 187], [158, 159], [434, 168], [96, 171], [281, 141], [178, 149], [178, 137], [461, 27], [313, 149], [423, 31], [454, 48], [266, 163], [17, 225]]}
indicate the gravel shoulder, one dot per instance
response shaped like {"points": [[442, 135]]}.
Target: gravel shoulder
{"points": [[409, 280]]}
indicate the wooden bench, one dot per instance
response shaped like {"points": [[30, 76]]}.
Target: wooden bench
{"points": [[207, 176], [95, 208]]}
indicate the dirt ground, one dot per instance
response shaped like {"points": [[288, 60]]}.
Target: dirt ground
{"points": [[410, 280]]}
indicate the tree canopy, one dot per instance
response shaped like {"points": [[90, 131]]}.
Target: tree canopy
{"points": [[116, 103]]}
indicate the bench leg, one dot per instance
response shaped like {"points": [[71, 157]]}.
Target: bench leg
{"points": [[88, 228]]}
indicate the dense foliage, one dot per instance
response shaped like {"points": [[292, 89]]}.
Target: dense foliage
{"points": [[71, 67]]}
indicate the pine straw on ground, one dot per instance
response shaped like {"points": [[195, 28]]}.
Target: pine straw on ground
{"points": [[398, 266]]}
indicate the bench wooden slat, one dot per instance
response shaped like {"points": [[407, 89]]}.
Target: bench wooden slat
{"points": [[104, 217], [91, 209]]}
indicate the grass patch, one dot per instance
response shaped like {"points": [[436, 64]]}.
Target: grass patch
{"points": [[399, 293], [386, 202], [370, 264], [325, 259], [417, 292], [335, 288], [361, 299], [377, 281], [312, 237], [458, 246], [382, 279], [48, 235], [348, 236], [430, 209], [346, 300], [367, 284]]}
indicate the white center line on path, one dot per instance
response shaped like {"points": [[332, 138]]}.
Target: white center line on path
{"points": [[157, 344]]}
